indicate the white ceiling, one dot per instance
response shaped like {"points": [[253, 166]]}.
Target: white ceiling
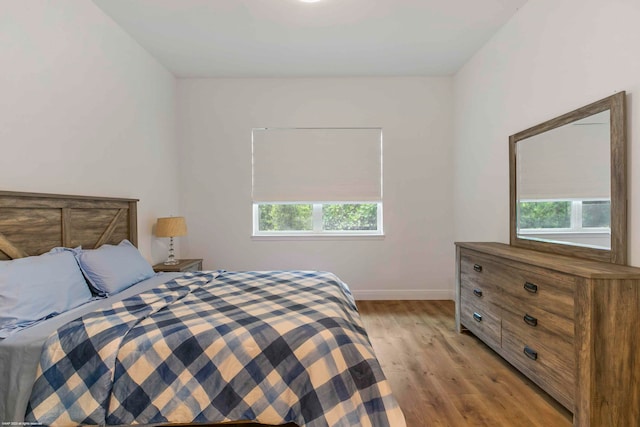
{"points": [[289, 38]]}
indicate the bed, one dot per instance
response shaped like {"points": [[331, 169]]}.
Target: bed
{"points": [[278, 348]]}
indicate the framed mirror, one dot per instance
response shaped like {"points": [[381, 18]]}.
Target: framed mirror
{"points": [[568, 190]]}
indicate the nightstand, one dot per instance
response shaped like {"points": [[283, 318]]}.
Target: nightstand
{"points": [[182, 265]]}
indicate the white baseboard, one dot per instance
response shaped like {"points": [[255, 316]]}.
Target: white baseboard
{"points": [[407, 294]]}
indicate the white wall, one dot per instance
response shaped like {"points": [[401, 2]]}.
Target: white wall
{"points": [[85, 110], [550, 58], [416, 257]]}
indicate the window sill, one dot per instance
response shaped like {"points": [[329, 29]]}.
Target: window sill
{"points": [[564, 231], [299, 237]]}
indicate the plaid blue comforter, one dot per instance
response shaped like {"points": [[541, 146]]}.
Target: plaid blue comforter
{"points": [[272, 347]]}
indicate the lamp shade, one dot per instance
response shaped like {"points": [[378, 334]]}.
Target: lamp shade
{"points": [[171, 227]]}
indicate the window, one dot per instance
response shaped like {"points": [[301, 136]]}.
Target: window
{"points": [[317, 181], [577, 216], [317, 218], [596, 213], [545, 215]]}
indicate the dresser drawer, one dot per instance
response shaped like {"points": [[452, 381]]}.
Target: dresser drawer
{"points": [[477, 265], [482, 319], [554, 294], [549, 360], [481, 289], [554, 336], [526, 316], [477, 277]]}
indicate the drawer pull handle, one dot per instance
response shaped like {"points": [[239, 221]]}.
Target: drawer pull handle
{"points": [[477, 317], [530, 353], [530, 320], [530, 287], [477, 292], [477, 267]]}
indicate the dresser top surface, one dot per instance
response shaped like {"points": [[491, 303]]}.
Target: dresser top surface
{"points": [[570, 265]]}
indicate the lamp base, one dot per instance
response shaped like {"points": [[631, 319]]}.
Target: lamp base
{"points": [[171, 260]]}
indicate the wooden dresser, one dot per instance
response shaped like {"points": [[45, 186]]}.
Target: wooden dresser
{"points": [[569, 324]]}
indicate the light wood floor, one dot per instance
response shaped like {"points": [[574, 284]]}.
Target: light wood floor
{"points": [[442, 378]]}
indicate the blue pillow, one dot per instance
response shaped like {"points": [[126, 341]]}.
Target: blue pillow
{"points": [[38, 287], [111, 269]]}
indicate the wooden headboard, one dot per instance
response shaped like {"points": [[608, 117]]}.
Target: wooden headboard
{"points": [[34, 223]]}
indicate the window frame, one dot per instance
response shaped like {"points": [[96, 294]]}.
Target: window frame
{"points": [[575, 219], [286, 198], [317, 222]]}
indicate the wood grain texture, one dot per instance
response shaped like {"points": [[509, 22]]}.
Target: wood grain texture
{"points": [[555, 366], [133, 221], [182, 265], [555, 266], [482, 318], [585, 357], [108, 232], [619, 179], [615, 343], [458, 291], [89, 225], [472, 280], [33, 231], [503, 306], [585, 332], [34, 223], [618, 168], [10, 249], [66, 227], [443, 378]]}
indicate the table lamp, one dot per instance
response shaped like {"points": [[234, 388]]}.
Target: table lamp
{"points": [[171, 227]]}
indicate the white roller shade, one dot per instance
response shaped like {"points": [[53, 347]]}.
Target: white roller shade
{"points": [[312, 165], [570, 162]]}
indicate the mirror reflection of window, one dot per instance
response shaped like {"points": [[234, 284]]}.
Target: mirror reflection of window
{"points": [[563, 184], [596, 214]]}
